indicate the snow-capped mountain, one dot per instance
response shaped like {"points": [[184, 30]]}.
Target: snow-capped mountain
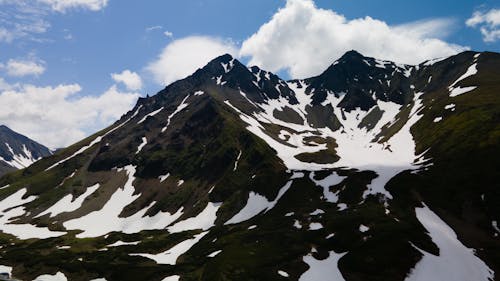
{"points": [[369, 171], [18, 151]]}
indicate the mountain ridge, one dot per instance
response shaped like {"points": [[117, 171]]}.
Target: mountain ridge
{"points": [[237, 162], [18, 151]]}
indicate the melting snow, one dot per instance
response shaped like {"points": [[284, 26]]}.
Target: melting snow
{"points": [[454, 262], [67, 204], [318, 269], [460, 91], [236, 162], [121, 243], [171, 255], [214, 254], [326, 183], [13, 204], [199, 93], [438, 119], [450, 106], [179, 109], [142, 145], [472, 70], [20, 161], [204, 220], [150, 114], [456, 91], [6, 269], [256, 204], [363, 228], [163, 178], [108, 219], [57, 277], [315, 226], [317, 212], [283, 273], [297, 224], [80, 151]]}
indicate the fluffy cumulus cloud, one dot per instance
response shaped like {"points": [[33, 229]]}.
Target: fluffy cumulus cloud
{"points": [[37, 111], [130, 79], [64, 5], [488, 23], [304, 39], [182, 57], [19, 68]]}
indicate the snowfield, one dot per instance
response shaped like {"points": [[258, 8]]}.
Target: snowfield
{"points": [[455, 261]]}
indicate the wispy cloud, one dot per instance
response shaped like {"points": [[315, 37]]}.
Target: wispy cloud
{"points": [[153, 28], [488, 23], [20, 68], [27, 19]]}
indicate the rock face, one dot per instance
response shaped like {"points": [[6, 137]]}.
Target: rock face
{"points": [[18, 151], [369, 171]]}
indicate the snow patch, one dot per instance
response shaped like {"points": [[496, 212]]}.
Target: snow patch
{"points": [[236, 162], [121, 243], [150, 114], [181, 107], [454, 262], [59, 276], [171, 255], [318, 269], [163, 178], [13, 204], [204, 220], [363, 228], [214, 254], [438, 119], [283, 273], [142, 145], [68, 204], [315, 226], [454, 92], [256, 204], [92, 225]]}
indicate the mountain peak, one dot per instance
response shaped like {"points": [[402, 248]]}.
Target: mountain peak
{"points": [[352, 54]]}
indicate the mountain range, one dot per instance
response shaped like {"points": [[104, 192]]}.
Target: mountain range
{"points": [[18, 151], [371, 170]]}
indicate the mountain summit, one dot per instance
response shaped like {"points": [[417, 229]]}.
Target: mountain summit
{"points": [[369, 171], [18, 151]]}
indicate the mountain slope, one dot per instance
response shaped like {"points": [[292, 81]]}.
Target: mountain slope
{"points": [[369, 171], [18, 151]]}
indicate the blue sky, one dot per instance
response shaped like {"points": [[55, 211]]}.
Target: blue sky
{"points": [[64, 52]]}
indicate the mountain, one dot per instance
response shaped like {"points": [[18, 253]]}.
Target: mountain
{"points": [[369, 171], [18, 151]]}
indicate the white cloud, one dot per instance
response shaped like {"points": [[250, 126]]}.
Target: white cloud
{"points": [[39, 117], [304, 40], [169, 34], [130, 79], [488, 23], [184, 56], [19, 68], [153, 28], [64, 5]]}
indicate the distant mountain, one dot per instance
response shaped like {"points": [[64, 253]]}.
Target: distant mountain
{"points": [[18, 151], [371, 170]]}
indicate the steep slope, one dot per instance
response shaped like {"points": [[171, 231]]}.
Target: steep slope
{"points": [[369, 171], [18, 151]]}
